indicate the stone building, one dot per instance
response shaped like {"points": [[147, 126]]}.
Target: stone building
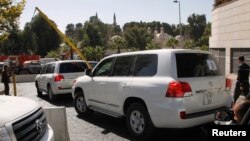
{"points": [[230, 33]]}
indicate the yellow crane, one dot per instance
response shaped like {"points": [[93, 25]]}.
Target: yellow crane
{"points": [[65, 38]]}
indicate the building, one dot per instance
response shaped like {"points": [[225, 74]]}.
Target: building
{"points": [[160, 38], [230, 33]]}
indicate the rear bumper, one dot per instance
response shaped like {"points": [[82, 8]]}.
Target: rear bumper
{"points": [[169, 116]]}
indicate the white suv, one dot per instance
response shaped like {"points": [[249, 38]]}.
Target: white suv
{"points": [[23, 119], [167, 88], [57, 77]]}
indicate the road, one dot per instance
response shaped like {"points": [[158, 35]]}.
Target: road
{"points": [[100, 127]]}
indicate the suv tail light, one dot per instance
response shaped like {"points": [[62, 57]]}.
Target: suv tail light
{"points": [[58, 77], [178, 89]]}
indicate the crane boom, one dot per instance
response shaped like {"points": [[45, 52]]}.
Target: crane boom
{"points": [[63, 36]]}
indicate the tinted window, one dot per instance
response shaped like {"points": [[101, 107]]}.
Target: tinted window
{"points": [[104, 68], [72, 67], [50, 68], [146, 65], [196, 65], [43, 71], [121, 67]]}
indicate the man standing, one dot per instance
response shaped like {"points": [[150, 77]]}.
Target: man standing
{"points": [[242, 84], [6, 80]]}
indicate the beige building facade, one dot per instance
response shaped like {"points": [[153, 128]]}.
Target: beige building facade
{"points": [[230, 35]]}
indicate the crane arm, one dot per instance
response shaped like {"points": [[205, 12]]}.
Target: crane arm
{"points": [[63, 36]]}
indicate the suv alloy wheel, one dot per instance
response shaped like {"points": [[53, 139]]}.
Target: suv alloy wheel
{"points": [[139, 123], [80, 105], [50, 93], [39, 93]]}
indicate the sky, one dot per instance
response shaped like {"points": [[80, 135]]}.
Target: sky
{"points": [[64, 12]]}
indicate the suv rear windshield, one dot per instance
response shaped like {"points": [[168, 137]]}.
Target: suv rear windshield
{"points": [[72, 67], [196, 65]]}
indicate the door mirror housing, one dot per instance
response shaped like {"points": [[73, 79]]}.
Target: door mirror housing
{"points": [[89, 72]]}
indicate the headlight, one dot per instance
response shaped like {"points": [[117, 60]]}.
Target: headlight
{"points": [[4, 136]]}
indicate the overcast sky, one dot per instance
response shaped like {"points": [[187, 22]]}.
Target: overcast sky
{"points": [[63, 12]]}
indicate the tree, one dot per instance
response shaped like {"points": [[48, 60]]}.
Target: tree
{"points": [[189, 44], [172, 42], [152, 45], [46, 38], [10, 11], [53, 54], [70, 31], [117, 42], [204, 40], [197, 24], [136, 35], [96, 31]]}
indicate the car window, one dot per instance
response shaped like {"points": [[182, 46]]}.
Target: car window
{"points": [[196, 65], [146, 65], [104, 68], [50, 68], [43, 71], [122, 65], [72, 67]]}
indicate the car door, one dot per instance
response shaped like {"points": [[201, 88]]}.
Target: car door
{"points": [[40, 78], [97, 88], [119, 85]]}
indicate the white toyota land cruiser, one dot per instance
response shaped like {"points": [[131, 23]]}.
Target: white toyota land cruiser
{"points": [[22, 119], [167, 88]]}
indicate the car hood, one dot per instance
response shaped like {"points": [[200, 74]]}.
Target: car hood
{"points": [[12, 108]]}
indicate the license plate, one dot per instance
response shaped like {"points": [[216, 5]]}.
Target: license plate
{"points": [[208, 98]]}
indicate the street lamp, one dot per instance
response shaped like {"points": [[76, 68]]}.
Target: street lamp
{"points": [[178, 1]]}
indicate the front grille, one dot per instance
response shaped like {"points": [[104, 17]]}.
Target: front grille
{"points": [[31, 127]]}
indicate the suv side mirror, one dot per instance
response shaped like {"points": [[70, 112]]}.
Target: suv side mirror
{"points": [[89, 72], [224, 115]]}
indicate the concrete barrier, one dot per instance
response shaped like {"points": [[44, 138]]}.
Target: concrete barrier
{"points": [[56, 117], [23, 78]]}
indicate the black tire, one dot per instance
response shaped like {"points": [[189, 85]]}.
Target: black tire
{"points": [[139, 123], [51, 94], [39, 93], [80, 105]]}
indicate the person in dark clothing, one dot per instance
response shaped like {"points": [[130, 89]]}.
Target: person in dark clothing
{"points": [[6, 80], [242, 84]]}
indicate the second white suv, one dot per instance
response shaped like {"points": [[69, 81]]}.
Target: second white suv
{"points": [[57, 77], [167, 88]]}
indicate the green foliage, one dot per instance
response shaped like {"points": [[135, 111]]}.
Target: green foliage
{"points": [[204, 40], [44, 37], [91, 53], [13, 43], [197, 25], [53, 54], [172, 42], [10, 11], [189, 44], [118, 42], [152, 45], [136, 35]]}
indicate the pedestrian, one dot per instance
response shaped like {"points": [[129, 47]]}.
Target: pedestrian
{"points": [[242, 84], [240, 109], [6, 80]]}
